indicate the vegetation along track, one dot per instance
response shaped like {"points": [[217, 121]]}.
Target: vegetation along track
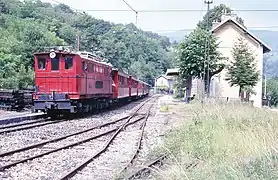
{"points": [[5, 154], [105, 147]]}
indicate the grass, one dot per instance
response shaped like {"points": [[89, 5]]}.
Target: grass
{"points": [[228, 141], [164, 108]]}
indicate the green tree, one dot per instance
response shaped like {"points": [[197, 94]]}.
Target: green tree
{"points": [[272, 91], [29, 25], [178, 85], [192, 53], [215, 15], [242, 71], [25, 77]]}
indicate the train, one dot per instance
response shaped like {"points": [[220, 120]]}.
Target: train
{"points": [[71, 82]]}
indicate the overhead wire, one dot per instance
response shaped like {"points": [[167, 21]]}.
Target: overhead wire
{"points": [[136, 13], [192, 29], [129, 6], [166, 10], [180, 10], [174, 10]]}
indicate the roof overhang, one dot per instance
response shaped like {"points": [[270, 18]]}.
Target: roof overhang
{"points": [[172, 72], [266, 48], [162, 77]]}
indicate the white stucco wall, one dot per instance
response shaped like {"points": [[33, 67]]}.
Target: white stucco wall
{"points": [[162, 81], [228, 35]]}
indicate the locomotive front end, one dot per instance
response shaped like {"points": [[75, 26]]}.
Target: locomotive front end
{"points": [[53, 102], [55, 79]]}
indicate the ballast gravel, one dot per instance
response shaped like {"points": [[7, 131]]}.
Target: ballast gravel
{"points": [[58, 164], [18, 139]]}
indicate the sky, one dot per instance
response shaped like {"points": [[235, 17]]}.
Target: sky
{"points": [[173, 21]]}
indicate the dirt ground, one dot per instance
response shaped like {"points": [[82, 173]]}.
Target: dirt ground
{"points": [[173, 112]]}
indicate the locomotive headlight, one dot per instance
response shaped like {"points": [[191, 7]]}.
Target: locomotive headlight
{"points": [[52, 55]]}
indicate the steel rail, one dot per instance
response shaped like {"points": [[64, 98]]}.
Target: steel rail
{"points": [[141, 170], [22, 124], [104, 148], [32, 126], [60, 138], [64, 147], [139, 143]]}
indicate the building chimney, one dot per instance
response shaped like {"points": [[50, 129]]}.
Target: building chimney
{"points": [[215, 23], [226, 16]]}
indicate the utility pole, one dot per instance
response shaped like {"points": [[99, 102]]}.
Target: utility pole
{"points": [[265, 86], [208, 2], [136, 18]]}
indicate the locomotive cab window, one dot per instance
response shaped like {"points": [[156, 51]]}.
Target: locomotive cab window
{"points": [[97, 69], [84, 66], [41, 63], [55, 64], [68, 63]]}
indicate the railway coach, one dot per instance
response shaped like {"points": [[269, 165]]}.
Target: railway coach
{"points": [[126, 87], [72, 82]]}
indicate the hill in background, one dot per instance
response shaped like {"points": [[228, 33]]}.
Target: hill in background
{"points": [[27, 25]]}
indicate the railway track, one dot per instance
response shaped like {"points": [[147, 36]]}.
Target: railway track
{"points": [[141, 172], [116, 129], [33, 124], [21, 124], [145, 170], [4, 167], [139, 142], [109, 142]]}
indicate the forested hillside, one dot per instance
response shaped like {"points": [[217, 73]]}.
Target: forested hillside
{"points": [[31, 25]]}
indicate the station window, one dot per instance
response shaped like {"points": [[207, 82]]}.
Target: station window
{"points": [[55, 64], [41, 63], [68, 63], [93, 68], [99, 84]]}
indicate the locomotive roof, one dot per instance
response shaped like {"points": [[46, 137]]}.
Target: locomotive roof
{"points": [[86, 55], [93, 57]]}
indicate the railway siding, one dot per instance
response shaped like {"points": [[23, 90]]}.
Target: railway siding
{"points": [[106, 166], [48, 163]]}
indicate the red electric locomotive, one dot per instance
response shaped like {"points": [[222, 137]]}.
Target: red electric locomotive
{"points": [[71, 82]]}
